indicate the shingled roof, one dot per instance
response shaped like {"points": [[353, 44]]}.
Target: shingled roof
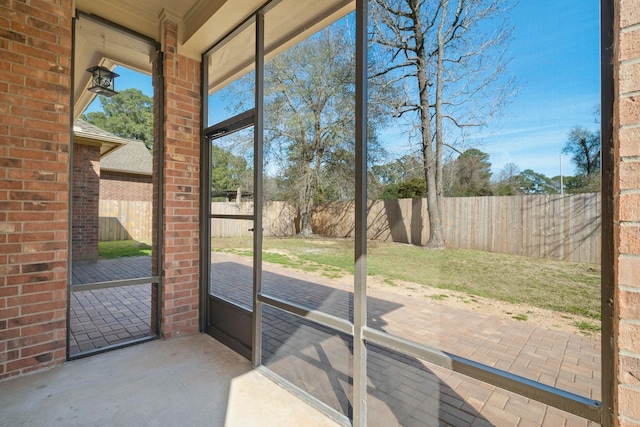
{"points": [[132, 156], [85, 129]]}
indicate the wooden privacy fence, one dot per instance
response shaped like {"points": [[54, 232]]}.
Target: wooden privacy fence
{"points": [[278, 219], [125, 220], [553, 226], [548, 226]]}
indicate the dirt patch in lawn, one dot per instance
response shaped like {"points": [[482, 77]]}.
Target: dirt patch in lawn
{"points": [[540, 317], [533, 315], [548, 319]]}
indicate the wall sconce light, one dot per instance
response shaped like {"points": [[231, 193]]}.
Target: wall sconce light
{"points": [[102, 81]]}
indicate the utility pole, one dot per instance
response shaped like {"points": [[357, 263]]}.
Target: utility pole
{"points": [[561, 183]]}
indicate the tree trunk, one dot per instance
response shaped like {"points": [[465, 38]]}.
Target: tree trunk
{"points": [[305, 224], [310, 185], [430, 163], [436, 236], [306, 203]]}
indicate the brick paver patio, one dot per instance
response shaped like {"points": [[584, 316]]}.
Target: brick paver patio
{"points": [[402, 390], [104, 317]]}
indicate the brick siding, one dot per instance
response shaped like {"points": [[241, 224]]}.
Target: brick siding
{"points": [[125, 186], [180, 222], [627, 213], [35, 65], [86, 202]]}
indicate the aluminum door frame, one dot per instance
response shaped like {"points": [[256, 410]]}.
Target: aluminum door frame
{"points": [[221, 318]]}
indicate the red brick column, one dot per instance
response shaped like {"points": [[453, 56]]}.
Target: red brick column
{"points": [[180, 194], [627, 211], [35, 82], [86, 202]]}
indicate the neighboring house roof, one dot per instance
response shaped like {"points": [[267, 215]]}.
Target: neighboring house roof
{"points": [[86, 133], [86, 129], [116, 154], [133, 157]]}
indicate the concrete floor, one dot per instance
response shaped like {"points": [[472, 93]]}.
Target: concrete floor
{"points": [[187, 381]]}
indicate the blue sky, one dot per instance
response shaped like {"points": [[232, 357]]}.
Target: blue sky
{"points": [[556, 59], [555, 51]]}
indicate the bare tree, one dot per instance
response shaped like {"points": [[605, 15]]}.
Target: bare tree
{"points": [[309, 127], [450, 57]]}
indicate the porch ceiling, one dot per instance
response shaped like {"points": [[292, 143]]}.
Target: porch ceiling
{"points": [[201, 24]]}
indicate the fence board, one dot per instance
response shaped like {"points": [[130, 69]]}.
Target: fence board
{"points": [[555, 226], [278, 219], [124, 220], [546, 226]]}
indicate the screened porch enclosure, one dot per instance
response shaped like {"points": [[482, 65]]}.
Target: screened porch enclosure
{"points": [[365, 348]]}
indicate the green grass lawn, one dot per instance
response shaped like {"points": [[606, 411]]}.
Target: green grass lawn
{"points": [[123, 248], [565, 287]]}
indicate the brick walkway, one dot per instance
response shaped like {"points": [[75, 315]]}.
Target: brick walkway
{"points": [[402, 390], [104, 317]]}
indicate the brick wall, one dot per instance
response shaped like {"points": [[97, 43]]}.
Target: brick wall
{"points": [[125, 186], [86, 202], [627, 211], [181, 127], [35, 64]]}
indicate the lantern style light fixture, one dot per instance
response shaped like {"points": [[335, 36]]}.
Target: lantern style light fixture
{"points": [[102, 81]]}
